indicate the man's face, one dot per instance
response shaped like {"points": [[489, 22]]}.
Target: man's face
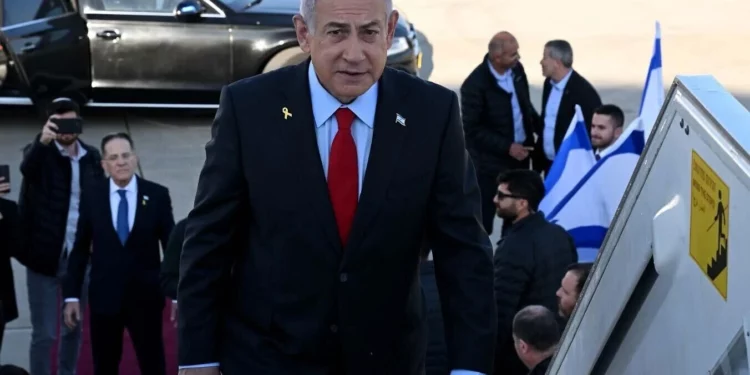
{"points": [[506, 204], [603, 131], [348, 44], [509, 56], [522, 349], [549, 65], [567, 295], [119, 160], [66, 139]]}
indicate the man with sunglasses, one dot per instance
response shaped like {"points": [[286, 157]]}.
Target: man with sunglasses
{"points": [[530, 259]]}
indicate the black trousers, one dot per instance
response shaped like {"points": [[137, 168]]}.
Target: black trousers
{"points": [[144, 324]]}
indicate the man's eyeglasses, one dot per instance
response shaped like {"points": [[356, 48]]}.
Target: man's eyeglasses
{"points": [[500, 196]]}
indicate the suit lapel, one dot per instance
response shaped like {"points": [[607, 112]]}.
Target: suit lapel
{"points": [[546, 88], [140, 207], [106, 210], [300, 131], [387, 140]]}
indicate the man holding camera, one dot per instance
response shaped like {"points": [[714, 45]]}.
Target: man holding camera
{"points": [[56, 167]]}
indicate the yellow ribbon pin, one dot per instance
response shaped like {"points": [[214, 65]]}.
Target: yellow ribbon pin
{"points": [[286, 112]]}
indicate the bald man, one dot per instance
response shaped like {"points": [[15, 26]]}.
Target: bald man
{"points": [[498, 117]]}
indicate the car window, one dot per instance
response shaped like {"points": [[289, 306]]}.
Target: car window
{"points": [[132, 5], [20, 11], [138, 6]]}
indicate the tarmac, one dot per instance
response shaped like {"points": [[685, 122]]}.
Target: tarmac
{"points": [[612, 43]]}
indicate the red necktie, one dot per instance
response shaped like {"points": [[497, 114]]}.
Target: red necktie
{"points": [[343, 179]]}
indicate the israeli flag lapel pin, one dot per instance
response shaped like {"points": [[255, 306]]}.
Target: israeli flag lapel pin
{"points": [[400, 119]]}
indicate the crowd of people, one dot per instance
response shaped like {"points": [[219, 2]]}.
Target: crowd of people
{"points": [[292, 261]]}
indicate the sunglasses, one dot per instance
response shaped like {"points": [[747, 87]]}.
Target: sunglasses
{"points": [[500, 196]]}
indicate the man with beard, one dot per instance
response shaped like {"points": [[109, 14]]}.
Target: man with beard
{"points": [[606, 127], [56, 169], [529, 261], [570, 289]]}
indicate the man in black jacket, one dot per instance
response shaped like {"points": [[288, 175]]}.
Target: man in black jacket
{"points": [[563, 89], [56, 169], [498, 117], [8, 247], [530, 260]]}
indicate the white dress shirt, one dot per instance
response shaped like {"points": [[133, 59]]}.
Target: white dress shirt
{"points": [[550, 114], [131, 194], [324, 107], [505, 82]]}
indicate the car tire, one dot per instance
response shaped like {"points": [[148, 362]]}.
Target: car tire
{"points": [[286, 57]]}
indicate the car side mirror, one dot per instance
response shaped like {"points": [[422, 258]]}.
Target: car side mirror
{"points": [[188, 10]]}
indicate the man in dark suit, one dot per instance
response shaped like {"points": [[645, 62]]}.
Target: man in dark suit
{"points": [[344, 167], [498, 118], [8, 246], [123, 221], [563, 89]]}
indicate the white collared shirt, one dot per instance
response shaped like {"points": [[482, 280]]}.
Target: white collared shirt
{"points": [[324, 108], [75, 195], [505, 82], [131, 194], [550, 114]]}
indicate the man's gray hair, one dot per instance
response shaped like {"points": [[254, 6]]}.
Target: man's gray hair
{"points": [[307, 11], [560, 50]]}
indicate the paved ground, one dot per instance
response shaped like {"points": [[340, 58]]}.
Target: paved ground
{"points": [[612, 43]]}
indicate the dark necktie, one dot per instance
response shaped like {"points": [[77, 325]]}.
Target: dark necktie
{"points": [[123, 229], [343, 177], [597, 157]]}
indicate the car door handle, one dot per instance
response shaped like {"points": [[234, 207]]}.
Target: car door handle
{"points": [[28, 47], [108, 34]]}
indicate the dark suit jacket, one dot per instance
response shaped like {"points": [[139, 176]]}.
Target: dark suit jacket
{"points": [[530, 261], [170, 266], [487, 113], [299, 302], [9, 246], [436, 361], [577, 91], [120, 274]]}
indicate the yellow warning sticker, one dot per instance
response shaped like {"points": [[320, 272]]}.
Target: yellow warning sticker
{"points": [[709, 223]]}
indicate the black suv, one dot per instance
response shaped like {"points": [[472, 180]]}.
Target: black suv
{"points": [[151, 53]]}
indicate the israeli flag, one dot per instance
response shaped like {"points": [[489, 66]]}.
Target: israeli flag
{"points": [[587, 210], [653, 92], [573, 160]]}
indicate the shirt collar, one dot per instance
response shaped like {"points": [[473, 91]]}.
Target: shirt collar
{"points": [[325, 105], [130, 187], [500, 77], [81, 151], [563, 82]]}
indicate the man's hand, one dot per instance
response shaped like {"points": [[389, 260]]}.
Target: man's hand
{"points": [[518, 152], [200, 371], [4, 187], [72, 314], [173, 313], [49, 131]]}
